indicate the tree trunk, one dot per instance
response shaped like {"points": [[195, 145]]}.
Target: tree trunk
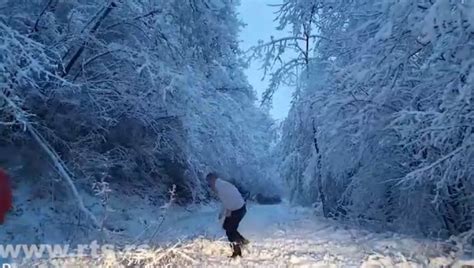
{"points": [[318, 173], [79, 52]]}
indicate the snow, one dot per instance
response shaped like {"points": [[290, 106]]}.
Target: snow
{"points": [[385, 31], [380, 130], [281, 236]]}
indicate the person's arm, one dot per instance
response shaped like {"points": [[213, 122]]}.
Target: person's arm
{"points": [[222, 212]]}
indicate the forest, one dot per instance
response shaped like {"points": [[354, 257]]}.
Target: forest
{"points": [[381, 127], [133, 96], [112, 112]]}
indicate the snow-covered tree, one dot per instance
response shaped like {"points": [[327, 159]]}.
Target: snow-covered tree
{"points": [[141, 95], [383, 130]]}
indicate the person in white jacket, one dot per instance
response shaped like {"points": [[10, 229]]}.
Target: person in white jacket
{"points": [[233, 208]]}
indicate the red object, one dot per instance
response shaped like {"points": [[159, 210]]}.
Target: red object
{"points": [[5, 195]]}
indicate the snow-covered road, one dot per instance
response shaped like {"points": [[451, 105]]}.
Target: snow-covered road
{"points": [[281, 236]]}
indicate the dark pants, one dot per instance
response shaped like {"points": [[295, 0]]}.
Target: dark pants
{"points": [[231, 223]]}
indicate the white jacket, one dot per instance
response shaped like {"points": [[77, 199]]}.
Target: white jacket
{"points": [[230, 197]]}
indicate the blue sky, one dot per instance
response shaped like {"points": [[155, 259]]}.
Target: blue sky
{"points": [[260, 25]]}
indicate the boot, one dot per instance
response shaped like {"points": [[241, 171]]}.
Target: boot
{"points": [[237, 252]]}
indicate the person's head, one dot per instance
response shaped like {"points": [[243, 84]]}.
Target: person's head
{"points": [[211, 179]]}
